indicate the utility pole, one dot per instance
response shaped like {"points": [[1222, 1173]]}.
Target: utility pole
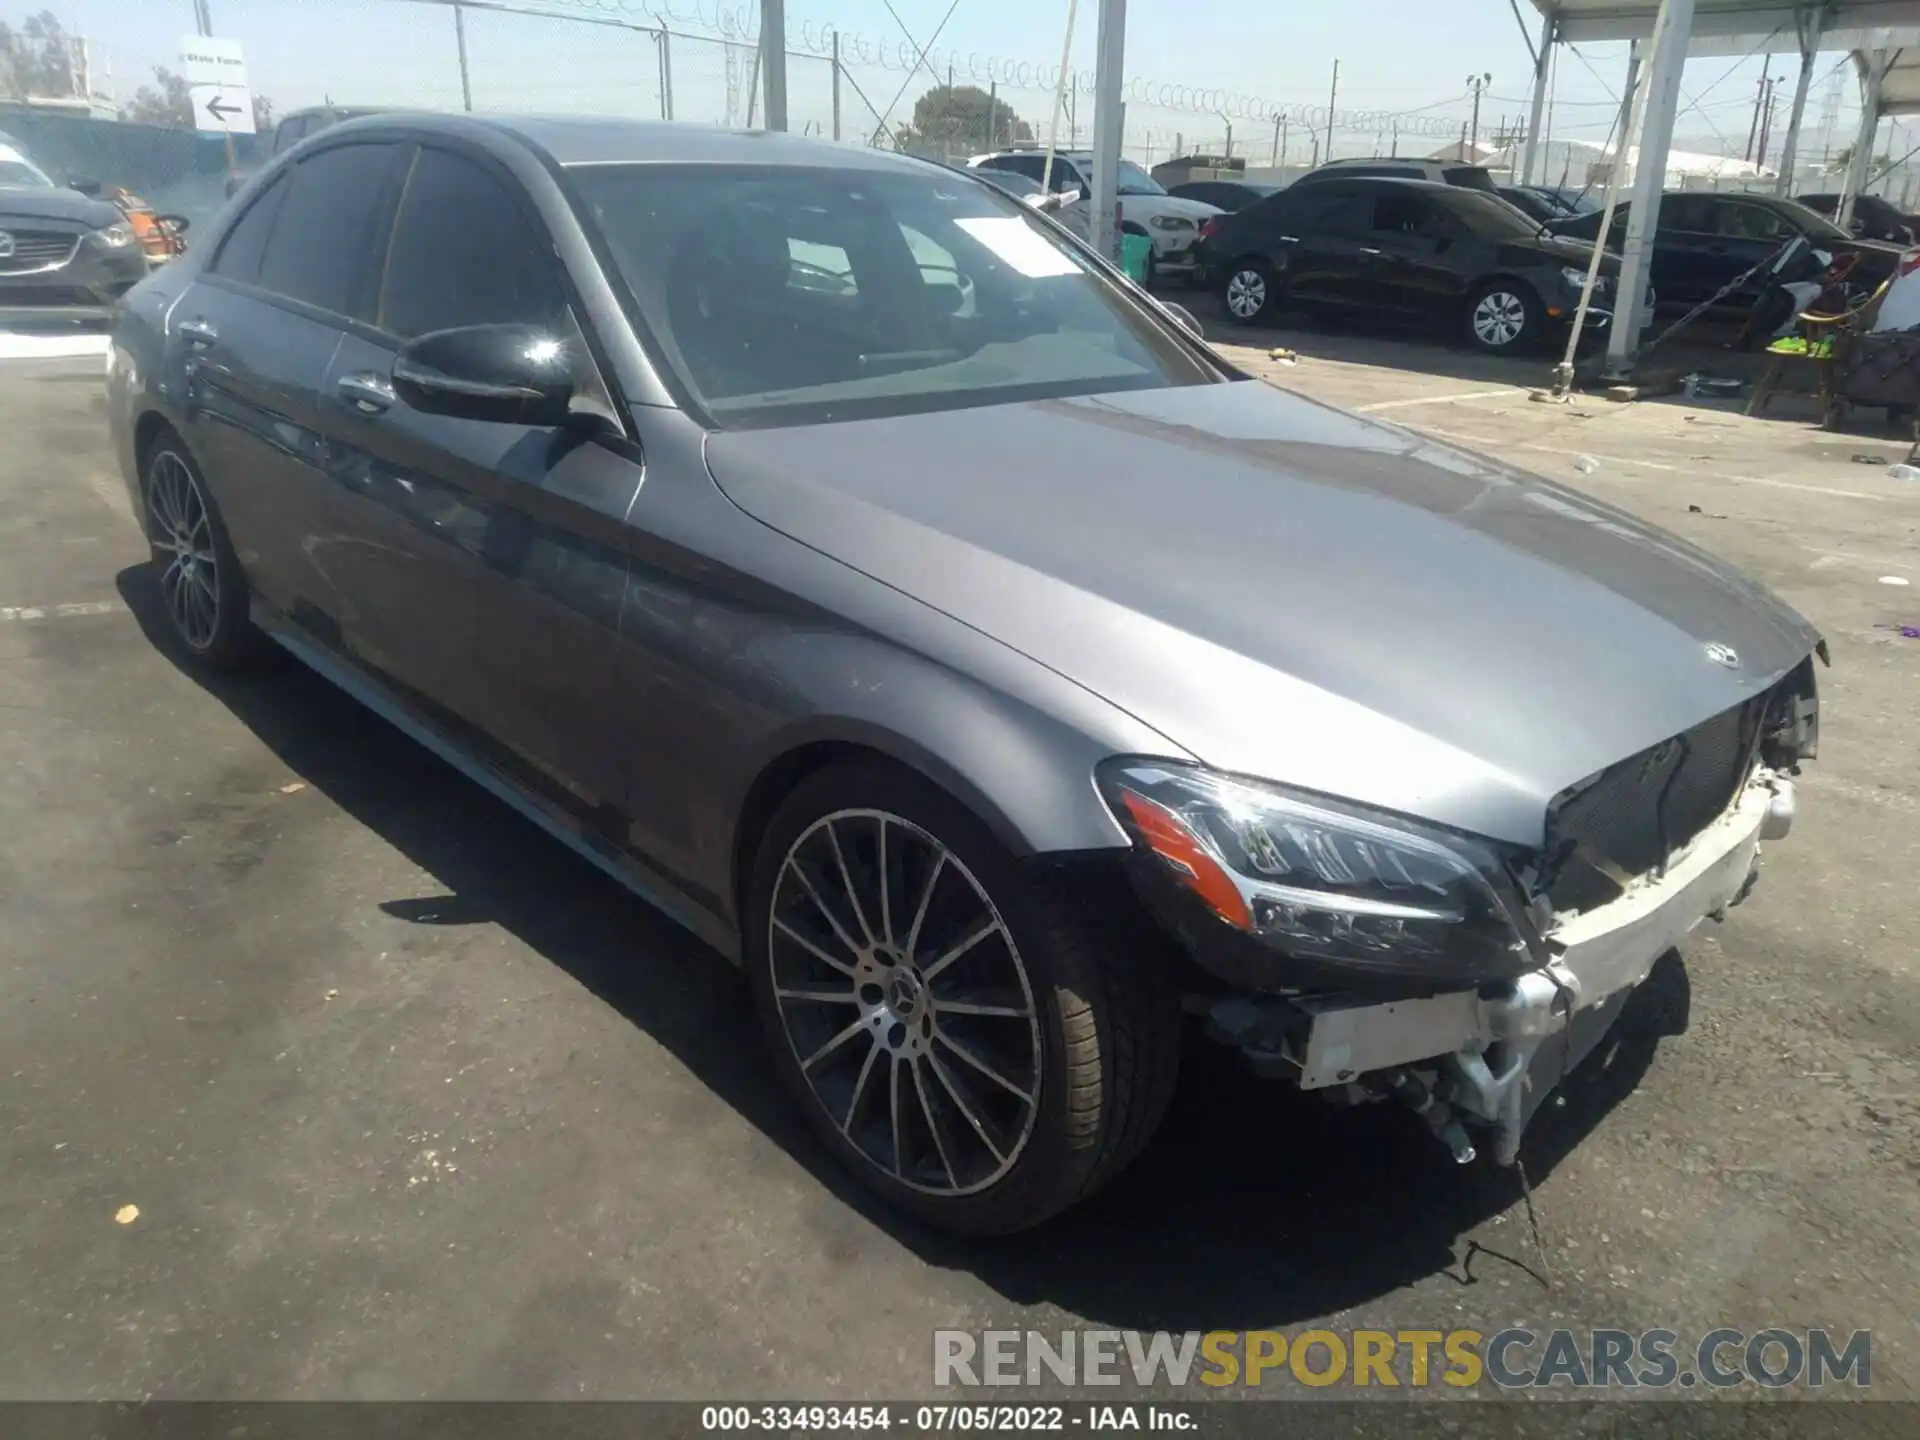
{"points": [[665, 42], [1476, 83], [1766, 125], [460, 44], [202, 17], [836, 83], [1333, 94], [773, 61], [1278, 121], [1764, 88]]}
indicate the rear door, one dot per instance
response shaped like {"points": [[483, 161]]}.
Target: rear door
{"points": [[1689, 257], [252, 338], [495, 554], [1749, 235]]}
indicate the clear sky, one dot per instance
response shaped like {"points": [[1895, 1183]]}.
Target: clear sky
{"points": [[1395, 55]]}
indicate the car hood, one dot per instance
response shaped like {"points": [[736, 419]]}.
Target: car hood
{"points": [[19, 201], [1289, 591], [1566, 250], [1142, 205]]}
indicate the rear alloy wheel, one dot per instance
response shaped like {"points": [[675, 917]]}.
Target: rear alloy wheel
{"points": [[200, 581], [1501, 317], [938, 1012], [1248, 295]]}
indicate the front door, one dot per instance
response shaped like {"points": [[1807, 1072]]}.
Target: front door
{"points": [[491, 557], [1401, 271]]}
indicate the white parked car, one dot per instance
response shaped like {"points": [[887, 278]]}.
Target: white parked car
{"points": [[1173, 224]]}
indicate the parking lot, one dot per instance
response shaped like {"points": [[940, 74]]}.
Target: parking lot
{"points": [[413, 1103]]}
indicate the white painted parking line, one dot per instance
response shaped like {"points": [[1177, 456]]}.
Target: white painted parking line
{"points": [[1435, 399], [15, 346], [60, 612]]}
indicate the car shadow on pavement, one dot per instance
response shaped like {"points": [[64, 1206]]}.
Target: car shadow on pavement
{"points": [[1255, 1207]]}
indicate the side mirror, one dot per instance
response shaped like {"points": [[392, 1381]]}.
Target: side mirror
{"points": [[85, 184], [507, 374], [1183, 317]]}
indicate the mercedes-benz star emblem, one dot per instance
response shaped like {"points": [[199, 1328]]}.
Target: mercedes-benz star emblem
{"points": [[1724, 655], [6, 245]]}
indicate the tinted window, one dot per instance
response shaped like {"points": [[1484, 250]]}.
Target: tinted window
{"points": [[328, 239], [291, 132], [240, 252], [1469, 177], [465, 253], [955, 294], [1691, 213], [1027, 165], [1406, 214], [1750, 222]]}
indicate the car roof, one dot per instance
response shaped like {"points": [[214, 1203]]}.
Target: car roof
{"points": [[603, 140]]}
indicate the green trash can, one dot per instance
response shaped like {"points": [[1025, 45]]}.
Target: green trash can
{"points": [[1135, 252]]}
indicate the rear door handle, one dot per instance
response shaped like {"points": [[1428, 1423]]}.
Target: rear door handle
{"points": [[198, 332], [366, 392], [1370, 250], [1289, 239]]}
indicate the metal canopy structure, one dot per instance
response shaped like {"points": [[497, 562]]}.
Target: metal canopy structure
{"points": [[1883, 34]]}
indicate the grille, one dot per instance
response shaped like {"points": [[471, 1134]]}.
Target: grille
{"points": [[49, 295], [37, 250], [1636, 813]]}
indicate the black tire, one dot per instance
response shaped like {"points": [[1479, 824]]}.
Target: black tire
{"points": [[1249, 292], [1504, 317], [1106, 1024], [204, 596]]}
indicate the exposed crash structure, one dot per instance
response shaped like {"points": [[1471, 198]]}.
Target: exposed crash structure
{"points": [[1372, 958]]}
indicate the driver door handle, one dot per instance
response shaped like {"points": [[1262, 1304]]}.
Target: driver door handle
{"points": [[198, 332], [366, 392]]}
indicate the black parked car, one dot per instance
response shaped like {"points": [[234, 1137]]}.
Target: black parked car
{"points": [[1706, 241], [1403, 250], [1873, 218], [1229, 195], [65, 254]]}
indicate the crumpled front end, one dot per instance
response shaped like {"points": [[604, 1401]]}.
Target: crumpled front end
{"points": [[1367, 961]]}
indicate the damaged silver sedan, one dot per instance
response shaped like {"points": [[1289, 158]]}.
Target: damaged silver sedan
{"points": [[841, 555]]}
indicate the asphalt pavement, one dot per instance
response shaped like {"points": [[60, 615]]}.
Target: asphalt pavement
{"points": [[323, 1075]]}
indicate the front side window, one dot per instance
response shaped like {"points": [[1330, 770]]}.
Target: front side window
{"points": [[1406, 215], [239, 254], [797, 296], [465, 253], [327, 239]]}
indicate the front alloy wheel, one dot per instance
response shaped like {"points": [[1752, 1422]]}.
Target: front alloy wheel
{"points": [[1500, 317], [939, 1010]]}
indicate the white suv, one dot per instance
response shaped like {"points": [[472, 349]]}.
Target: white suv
{"points": [[1173, 224]]}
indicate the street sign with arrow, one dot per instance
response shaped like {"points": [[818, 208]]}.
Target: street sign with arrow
{"points": [[216, 75]]}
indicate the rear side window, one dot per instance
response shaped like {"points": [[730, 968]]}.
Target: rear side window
{"points": [[240, 252], [465, 253], [329, 235], [1691, 213]]}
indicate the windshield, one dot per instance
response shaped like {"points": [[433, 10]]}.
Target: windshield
{"points": [[788, 295], [18, 171], [1491, 217], [1135, 181], [1817, 226]]}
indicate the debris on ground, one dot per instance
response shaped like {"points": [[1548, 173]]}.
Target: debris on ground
{"points": [[1905, 632], [1623, 393], [1711, 515], [1283, 355], [126, 1215], [1585, 464], [1903, 472], [1711, 387], [293, 787], [1869, 459], [1893, 580]]}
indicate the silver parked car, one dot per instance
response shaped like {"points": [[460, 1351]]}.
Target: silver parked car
{"points": [[843, 557]]}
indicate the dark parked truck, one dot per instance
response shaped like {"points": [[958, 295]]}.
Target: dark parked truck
{"points": [[63, 255], [964, 648]]}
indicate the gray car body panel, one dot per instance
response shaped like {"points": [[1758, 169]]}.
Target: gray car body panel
{"points": [[1225, 573], [1289, 591]]}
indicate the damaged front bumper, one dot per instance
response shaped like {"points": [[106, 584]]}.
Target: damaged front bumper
{"points": [[1485, 1058]]}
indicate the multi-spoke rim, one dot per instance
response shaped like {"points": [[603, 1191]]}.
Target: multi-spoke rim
{"points": [[179, 529], [1246, 293], [1499, 317], [906, 1002]]}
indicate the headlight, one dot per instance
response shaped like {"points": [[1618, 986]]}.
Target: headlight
{"points": [[1577, 279], [1318, 879], [1171, 222], [114, 236]]}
